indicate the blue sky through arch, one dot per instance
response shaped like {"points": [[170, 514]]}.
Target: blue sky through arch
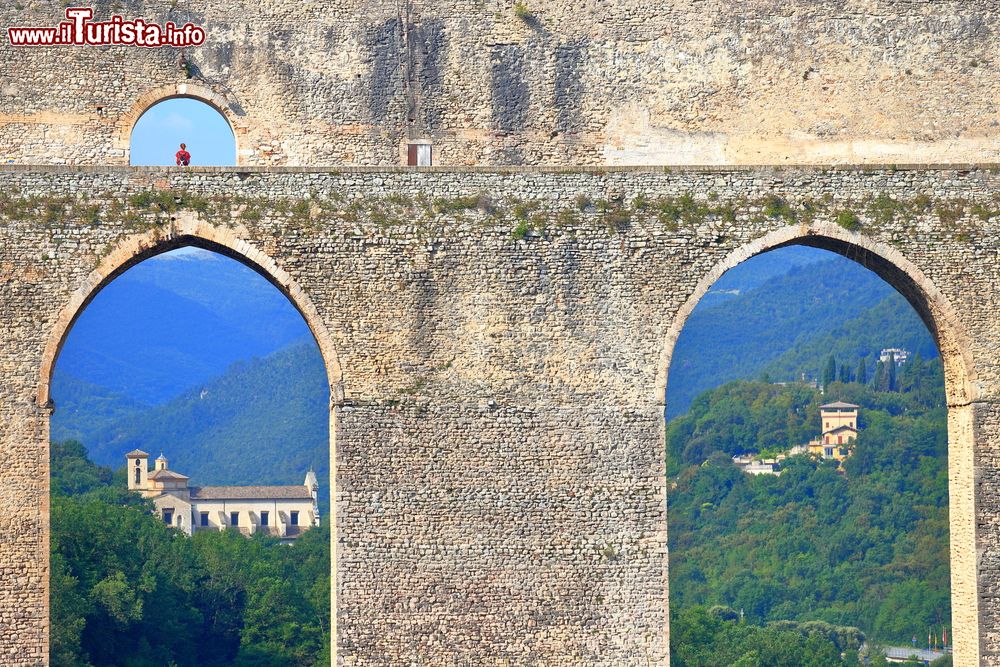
{"points": [[159, 132]]}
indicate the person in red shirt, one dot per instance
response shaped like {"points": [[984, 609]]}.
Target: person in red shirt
{"points": [[183, 157]]}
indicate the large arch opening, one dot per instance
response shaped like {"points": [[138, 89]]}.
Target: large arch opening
{"points": [[957, 386], [177, 577]]}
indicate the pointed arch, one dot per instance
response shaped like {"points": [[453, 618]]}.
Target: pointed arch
{"points": [[961, 392], [887, 262], [187, 230]]}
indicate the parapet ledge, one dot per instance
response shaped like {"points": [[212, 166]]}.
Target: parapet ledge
{"points": [[527, 169]]}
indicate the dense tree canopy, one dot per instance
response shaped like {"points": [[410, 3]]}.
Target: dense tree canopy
{"points": [[865, 546], [127, 591], [717, 637]]}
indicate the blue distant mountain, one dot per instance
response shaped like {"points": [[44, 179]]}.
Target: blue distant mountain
{"points": [[785, 318], [194, 354], [263, 421], [174, 321], [758, 270]]}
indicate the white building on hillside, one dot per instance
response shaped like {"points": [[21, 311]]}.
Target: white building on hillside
{"points": [[756, 466], [281, 511], [900, 355]]}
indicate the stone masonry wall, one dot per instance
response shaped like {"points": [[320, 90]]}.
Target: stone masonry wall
{"points": [[597, 82], [498, 344]]}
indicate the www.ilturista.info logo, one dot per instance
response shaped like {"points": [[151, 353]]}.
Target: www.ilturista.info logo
{"points": [[79, 30]]}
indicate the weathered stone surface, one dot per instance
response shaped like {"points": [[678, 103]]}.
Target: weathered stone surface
{"points": [[609, 82], [497, 343]]}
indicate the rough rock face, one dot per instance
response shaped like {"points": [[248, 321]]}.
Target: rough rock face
{"points": [[498, 344], [616, 82]]}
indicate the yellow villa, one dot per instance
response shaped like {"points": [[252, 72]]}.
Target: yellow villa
{"points": [[840, 428]]}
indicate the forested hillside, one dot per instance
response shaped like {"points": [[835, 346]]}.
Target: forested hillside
{"points": [[866, 547], [265, 421], [788, 325], [890, 323], [127, 591]]}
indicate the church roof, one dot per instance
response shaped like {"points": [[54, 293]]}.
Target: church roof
{"points": [[838, 404], [136, 454], [167, 474], [251, 493]]}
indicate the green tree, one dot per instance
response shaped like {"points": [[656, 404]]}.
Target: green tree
{"points": [[72, 471], [69, 610], [861, 374], [881, 377], [128, 591], [830, 371]]}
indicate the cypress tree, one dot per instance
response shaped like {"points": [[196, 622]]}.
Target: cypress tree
{"points": [[880, 376], [892, 372], [830, 372], [916, 372], [861, 375], [845, 373]]}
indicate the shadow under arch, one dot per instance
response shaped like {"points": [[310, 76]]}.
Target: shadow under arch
{"points": [[188, 230], [229, 109], [961, 391]]}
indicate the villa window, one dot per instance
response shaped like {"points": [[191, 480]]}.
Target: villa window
{"points": [[168, 517], [138, 476], [295, 518], [264, 519], [234, 518], [204, 519]]}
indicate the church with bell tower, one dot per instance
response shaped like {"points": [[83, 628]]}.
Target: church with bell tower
{"points": [[280, 511]]}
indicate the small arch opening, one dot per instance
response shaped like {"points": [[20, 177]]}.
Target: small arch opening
{"points": [[158, 133]]}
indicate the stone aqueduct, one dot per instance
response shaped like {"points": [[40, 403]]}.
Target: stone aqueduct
{"points": [[498, 338]]}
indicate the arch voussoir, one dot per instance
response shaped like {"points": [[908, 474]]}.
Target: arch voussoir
{"points": [[122, 136]]}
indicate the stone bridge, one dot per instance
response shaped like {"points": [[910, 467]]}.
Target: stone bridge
{"points": [[498, 342], [498, 339]]}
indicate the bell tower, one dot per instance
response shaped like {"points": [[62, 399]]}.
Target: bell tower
{"points": [[312, 484], [137, 466]]}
